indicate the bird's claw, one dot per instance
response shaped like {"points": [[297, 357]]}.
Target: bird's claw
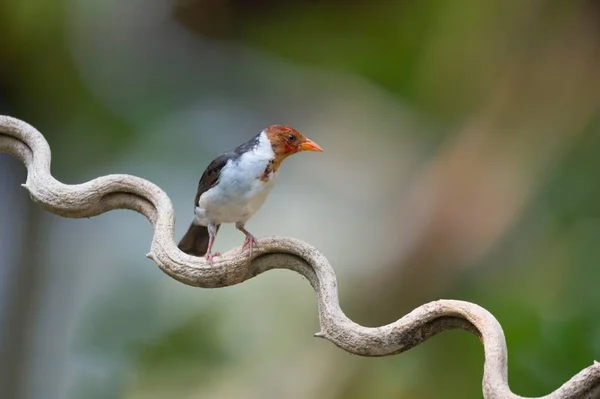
{"points": [[210, 256], [250, 243]]}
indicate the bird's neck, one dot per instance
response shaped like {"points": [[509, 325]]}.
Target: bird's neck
{"points": [[263, 148]]}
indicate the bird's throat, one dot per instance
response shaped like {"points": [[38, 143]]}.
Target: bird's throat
{"points": [[270, 169]]}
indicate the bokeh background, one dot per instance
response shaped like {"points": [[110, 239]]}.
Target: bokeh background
{"points": [[462, 150]]}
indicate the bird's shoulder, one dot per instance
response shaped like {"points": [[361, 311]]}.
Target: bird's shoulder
{"points": [[247, 146]]}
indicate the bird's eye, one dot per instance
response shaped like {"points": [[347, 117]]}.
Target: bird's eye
{"points": [[291, 137]]}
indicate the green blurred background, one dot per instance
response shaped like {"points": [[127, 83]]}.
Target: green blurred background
{"points": [[461, 161]]}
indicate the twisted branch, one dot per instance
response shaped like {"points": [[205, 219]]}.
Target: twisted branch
{"points": [[111, 192]]}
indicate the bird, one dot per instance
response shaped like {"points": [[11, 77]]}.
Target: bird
{"points": [[235, 185]]}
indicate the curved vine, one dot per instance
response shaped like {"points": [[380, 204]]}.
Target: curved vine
{"points": [[110, 192]]}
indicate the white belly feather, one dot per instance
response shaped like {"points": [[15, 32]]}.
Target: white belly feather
{"points": [[240, 191]]}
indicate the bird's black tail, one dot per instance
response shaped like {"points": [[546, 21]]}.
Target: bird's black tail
{"points": [[195, 241]]}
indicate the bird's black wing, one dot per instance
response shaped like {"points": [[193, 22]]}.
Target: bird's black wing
{"points": [[195, 241], [210, 177]]}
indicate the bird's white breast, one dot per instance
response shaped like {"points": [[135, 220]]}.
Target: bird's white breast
{"points": [[240, 191]]}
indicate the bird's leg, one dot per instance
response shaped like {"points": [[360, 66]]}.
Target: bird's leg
{"points": [[212, 233], [250, 241]]}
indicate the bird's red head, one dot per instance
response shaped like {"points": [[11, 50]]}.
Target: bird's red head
{"points": [[286, 141]]}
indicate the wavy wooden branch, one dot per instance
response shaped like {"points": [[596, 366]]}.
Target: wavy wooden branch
{"points": [[111, 192]]}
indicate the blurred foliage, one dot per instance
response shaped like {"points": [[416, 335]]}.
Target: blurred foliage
{"points": [[426, 52], [190, 350], [537, 289], [445, 59], [46, 88]]}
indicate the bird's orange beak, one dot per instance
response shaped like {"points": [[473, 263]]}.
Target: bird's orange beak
{"points": [[310, 145]]}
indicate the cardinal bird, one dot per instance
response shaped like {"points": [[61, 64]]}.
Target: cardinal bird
{"points": [[235, 185]]}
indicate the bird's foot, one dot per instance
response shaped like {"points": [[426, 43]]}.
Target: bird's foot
{"points": [[209, 257], [250, 243]]}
